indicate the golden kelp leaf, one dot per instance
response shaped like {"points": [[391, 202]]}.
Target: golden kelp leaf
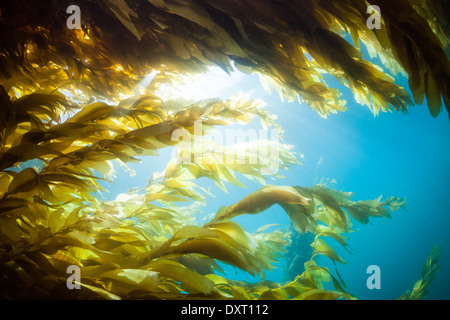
{"points": [[240, 293], [218, 280], [193, 231], [5, 180], [101, 292], [150, 131], [56, 178], [92, 112], [268, 40], [9, 228], [59, 241], [395, 203], [214, 248], [362, 210], [325, 275], [73, 216], [358, 213], [420, 288], [19, 206], [272, 295], [161, 196], [236, 232], [62, 259], [44, 103], [300, 218], [25, 152], [124, 14], [320, 247], [189, 279], [186, 232], [42, 260], [332, 200], [298, 207], [132, 279], [327, 232], [263, 199], [293, 289], [24, 184], [56, 220], [319, 294]]}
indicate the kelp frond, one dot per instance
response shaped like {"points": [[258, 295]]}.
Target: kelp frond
{"points": [[420, 289], [290, 43], [70, 108], [144, 244]]}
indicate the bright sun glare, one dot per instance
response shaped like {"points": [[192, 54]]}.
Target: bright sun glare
{"points": [[211, 84]]}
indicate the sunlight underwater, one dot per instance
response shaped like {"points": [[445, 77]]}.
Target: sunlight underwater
{"points": [[120, 144]]}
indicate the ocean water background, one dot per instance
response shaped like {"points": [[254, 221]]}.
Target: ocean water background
{"points": [[404, 155]]}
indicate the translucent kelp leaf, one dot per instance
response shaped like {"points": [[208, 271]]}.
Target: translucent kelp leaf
{"points": [[25, 152], [236, 232], [24, 184], [5, 180], [101, 292], [320, 247], [319, 294], [10, 229], [124, 14], [189, 279], [131, 279], [188, 37], [214, 248], [420, 288], [154, 250], [263, 199], [192, 232], [18, 206]]}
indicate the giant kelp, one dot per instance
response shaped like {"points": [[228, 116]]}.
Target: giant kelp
{"points": [[142, 244], [70, 110], [291, 43]]}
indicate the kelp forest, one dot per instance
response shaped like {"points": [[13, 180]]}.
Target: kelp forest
{"points": [[78, 101]]}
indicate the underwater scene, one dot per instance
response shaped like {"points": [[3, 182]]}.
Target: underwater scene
{"points": [[224, 150]]}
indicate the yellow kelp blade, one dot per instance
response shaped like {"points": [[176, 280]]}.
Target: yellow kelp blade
{"points": [[24, 184], [420, 289], [187, 37], [263, 199], [123, 281], [214, 248], [236, 232], [191, 281], [319, 294]]}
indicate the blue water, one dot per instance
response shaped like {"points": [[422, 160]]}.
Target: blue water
{"points": [[404, 155]]}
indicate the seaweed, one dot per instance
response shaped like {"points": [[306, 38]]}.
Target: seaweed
{"points": [[70, 109], [142, 244], [119, 42]]}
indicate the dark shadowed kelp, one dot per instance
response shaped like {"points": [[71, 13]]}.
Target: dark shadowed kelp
{"points": [[69, 104], [119, 42]]}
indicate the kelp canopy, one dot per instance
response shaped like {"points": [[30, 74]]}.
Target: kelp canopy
{"points": [[289, 42], [69, 104]]}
